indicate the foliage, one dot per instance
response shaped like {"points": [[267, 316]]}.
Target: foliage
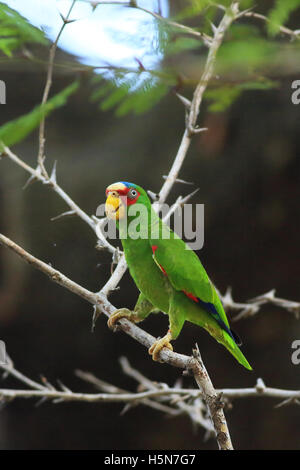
{"points": [[135, 91], [14, 131], [15, 31], [221, 98], [248, 58], [280, 14]]}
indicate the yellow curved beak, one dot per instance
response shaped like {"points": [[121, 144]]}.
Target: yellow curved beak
{"points": [[114, 207]]}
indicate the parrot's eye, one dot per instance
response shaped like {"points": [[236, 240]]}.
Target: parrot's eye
{"points": [[132, 194]]}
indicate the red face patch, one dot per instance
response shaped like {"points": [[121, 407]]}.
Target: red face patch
{"points": [[128, 196], [131, 199]]}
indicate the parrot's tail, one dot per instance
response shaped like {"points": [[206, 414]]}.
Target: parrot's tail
{"points": [[233, 348], [226, 340]]}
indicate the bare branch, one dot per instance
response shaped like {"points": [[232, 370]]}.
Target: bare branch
{"points": [[185, 29], [193, 110], [40, 158], [175, 359], [213, 402], [171, 401], [36, 173], [253, 306], [294, 34]]}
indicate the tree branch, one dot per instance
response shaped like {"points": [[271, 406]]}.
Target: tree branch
{"points": [[169, 400], [40, 158], [174, 359], [193, 110], [185, 29], [294, 34], [155, 395], [50, 181]]}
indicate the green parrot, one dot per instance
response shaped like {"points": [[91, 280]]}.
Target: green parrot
{"points": [[168, 274]]}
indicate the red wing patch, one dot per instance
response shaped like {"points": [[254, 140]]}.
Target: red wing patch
{"points": [[163, 270], [154, 248], [191, 296]]}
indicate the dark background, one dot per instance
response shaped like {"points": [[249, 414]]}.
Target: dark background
{"points": [[247, 168]]}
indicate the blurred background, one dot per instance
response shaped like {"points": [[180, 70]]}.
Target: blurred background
{"points": [[247, 168]]}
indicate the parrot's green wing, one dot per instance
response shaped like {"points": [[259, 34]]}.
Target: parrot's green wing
{"points": [[186, 273]]}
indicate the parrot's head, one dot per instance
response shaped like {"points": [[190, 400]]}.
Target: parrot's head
{"points": [[120, 196]]}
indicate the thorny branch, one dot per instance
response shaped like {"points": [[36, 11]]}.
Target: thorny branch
{"points": [[253, 306], [294, 34], [169, 357], [185, 29], [170, 400], [51, 182], [40, 158]]}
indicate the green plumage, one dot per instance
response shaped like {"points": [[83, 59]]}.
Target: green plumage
{"points": [[171, 279]]}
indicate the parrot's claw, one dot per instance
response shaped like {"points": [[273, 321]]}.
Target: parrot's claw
{"points": [[158, 345], [121, 313]]}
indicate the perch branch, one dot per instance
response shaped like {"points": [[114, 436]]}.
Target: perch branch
{"points": [[175, 359], [207, 392]]}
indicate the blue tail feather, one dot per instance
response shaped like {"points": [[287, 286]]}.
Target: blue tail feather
{"points": [[212, 309]]}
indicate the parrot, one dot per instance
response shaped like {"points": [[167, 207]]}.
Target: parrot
{"points": [[168, 274]]}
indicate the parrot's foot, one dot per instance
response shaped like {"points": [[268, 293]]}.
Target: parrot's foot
{"points": [[122, 313], [159, 344]]}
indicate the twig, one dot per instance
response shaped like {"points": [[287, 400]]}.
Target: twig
{"points": [[196, 410], [207, 393], [108, 388], [213, 402], [283, 29], [185, 29], [155, 390], [175, 359], [253, 306], [40, 158], [51, 182], [194, 109], [72, 396]]}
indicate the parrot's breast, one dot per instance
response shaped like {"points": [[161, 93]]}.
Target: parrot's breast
{"points": [[147, 276]]}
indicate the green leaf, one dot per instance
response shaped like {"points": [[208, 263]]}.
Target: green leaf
{"points": [[242, 56], [144, 100], [261, 84], [244, 4], [16, 31], [14, 131], [135, 92], [280, 14], [194, 8], [181, 44], [243, 31], [223, 97]]}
